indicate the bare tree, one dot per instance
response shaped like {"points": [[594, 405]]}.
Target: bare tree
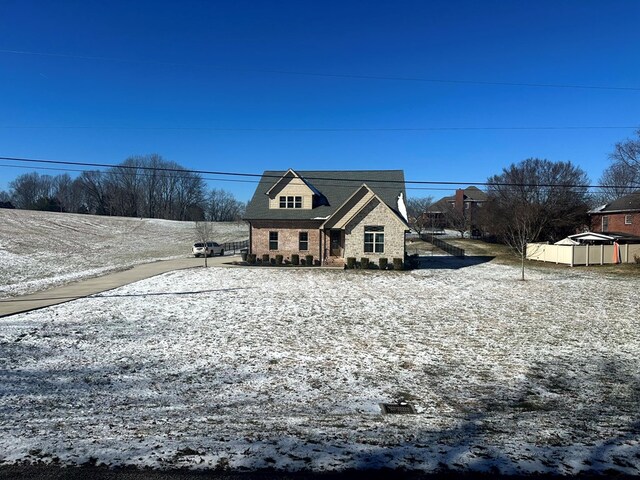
{"points": [[125, 183], [204, 233], [455, 218], [222, 206], [417, 211], [32, 191], [95, 188], [536, 199], [5, 200], [628, 152], [623, 175]]}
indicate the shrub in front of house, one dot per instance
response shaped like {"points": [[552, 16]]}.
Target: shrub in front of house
{"points": [[279, 259], [364, 263], [308, 260], [295, 259], [265, 259], [383, 263], [251, 259], [351, 263], [398, 264]]}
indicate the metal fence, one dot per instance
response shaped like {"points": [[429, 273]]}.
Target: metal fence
{"points": [[234, 247], [442, 245]]}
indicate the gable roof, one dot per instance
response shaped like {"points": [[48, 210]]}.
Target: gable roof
{"points": [[335, 186], [627, 203], [293, 174]]}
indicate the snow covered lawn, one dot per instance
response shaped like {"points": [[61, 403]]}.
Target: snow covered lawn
{"points": [[285, 368]]}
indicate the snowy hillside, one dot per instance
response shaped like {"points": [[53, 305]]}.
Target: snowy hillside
{"points": [[43, 249]]}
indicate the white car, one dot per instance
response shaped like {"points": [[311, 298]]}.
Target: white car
{"points": [[208, 249]]}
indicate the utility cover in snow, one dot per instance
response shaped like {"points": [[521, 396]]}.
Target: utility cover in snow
{"points": [[401, 408]]}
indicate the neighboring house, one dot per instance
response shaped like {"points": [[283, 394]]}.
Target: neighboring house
{"points": [[621, 216], [461, 209], [331, 215]]}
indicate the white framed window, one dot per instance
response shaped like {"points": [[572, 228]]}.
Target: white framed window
{"points": [[290, 201], [605, 223], [627, 219], [273, 240], [374, 239]]}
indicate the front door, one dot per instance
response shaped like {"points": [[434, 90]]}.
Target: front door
{"points": [[335, 243]]}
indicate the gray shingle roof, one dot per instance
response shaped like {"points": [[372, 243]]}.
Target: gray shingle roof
{"points": [[626, 203], [336, 186]]}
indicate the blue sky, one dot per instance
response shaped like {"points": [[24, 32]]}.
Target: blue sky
{"points": [[232, 86]]}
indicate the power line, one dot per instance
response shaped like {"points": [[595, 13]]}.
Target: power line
{"points": [[320, 130], [277, 176], [209, 179], [324, 75]]}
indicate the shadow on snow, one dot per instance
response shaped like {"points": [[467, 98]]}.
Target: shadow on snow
{"points": [[448, 262]]}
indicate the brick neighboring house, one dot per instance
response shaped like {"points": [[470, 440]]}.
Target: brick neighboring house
{"points": [[463, 206], [620, 216], [331, 215]]}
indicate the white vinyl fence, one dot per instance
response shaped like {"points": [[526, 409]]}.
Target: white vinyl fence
{"points": [[582, 254]]}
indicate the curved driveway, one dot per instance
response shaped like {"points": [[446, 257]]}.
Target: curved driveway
{"points": [[91, 286]]}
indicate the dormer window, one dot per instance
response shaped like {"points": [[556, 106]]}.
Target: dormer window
{"points": [[290, 201]]}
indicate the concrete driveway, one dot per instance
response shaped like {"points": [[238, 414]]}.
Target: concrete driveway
{"points": [[91, 286]]}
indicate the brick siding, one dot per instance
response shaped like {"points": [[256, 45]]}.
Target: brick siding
{"points": [[288, 238], [616, 223]]}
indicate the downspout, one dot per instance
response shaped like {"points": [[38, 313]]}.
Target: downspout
{"points": [[250, 238]]}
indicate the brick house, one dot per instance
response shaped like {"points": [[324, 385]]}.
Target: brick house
{"points": [[621, 216], [331, 215], [462, 208]]}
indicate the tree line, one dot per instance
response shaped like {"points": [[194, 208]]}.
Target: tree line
{"points": [[141, 186]]}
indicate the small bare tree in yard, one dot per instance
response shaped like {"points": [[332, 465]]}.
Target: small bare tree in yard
{"points": [[525, 226], [204, 233]]}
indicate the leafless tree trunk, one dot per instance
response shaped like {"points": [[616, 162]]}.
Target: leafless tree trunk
{"points": [[524, 226], [204, 233]]}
